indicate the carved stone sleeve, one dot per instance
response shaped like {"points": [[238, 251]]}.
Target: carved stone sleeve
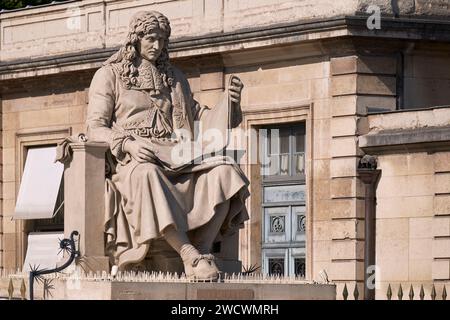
{"points": [[100, 112]]}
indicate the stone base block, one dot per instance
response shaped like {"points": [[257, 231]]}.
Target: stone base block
{"points": [[95, 264], [97, 290]]}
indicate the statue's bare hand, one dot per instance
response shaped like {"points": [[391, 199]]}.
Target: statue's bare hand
{"points": [[139, 150], [235, 90]]}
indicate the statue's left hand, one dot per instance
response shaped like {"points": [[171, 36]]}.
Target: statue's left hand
{"points": [[235, 90]]}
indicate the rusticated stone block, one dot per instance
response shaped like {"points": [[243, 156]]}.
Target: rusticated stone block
{"points": [[442, 183], [441, 226], [441, 204], [441, 269], [441, 161], [344, 167], [346, 270], [347, 187], [347, 208], [347, 249], [347, 229], [344, 126], [345, 147], [441, 247]]}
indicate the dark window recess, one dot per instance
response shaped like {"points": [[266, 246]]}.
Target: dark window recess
{"points": [[300, 267], [276, 266]]}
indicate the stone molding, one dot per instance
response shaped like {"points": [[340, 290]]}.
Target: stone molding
{"points": [[257, 37], [406, 140]]}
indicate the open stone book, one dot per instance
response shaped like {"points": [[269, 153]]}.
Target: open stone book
{"points": [[211, 137]]}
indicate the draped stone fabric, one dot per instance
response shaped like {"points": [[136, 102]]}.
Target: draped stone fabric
{"points": [[142, 199]]}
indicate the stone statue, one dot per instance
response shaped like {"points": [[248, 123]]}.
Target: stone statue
{"points": [[139, 103]]}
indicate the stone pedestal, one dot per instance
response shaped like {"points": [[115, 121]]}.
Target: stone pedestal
{"points": [[84, 202], [179, 290]]}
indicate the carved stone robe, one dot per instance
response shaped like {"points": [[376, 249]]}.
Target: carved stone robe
{"points": [[142, 199]]}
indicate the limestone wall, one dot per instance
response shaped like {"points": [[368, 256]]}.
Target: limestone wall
{"points": [[78, 26], [413, 226], [93, 24], [43, 113], [413, 198]]}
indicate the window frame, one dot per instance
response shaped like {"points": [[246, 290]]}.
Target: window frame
{"points": [[25, 138], [275, 179], [284, 180]]}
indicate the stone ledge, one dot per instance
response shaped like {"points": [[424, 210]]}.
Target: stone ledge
{"points": [[406, 140]]}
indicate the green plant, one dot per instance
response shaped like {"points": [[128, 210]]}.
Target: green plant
{"points": [[18, 4]]}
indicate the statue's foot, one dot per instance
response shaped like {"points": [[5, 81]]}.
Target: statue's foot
{"points": [[198, 266]]}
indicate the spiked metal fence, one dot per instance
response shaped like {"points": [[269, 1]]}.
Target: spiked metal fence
{"points": [[11, 283], [396, 292]]}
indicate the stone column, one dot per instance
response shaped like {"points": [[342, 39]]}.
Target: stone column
{"points": [[359, 84], [84, 202], [370, 177]]}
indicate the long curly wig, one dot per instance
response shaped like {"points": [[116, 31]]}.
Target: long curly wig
{"points": [[143, 23]]}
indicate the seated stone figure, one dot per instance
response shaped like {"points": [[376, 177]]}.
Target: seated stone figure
{"points": [[137, 99]]}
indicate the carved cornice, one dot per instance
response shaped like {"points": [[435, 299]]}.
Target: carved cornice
{"points": [[351, 26]]}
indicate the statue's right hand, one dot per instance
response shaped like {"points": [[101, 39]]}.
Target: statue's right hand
{"points": [[139, 150]]}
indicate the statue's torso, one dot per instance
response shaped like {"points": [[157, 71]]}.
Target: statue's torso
{"points": [[144, 111]]}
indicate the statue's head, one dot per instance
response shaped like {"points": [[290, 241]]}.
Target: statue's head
{"points": [[147, 38], [149, 34]]}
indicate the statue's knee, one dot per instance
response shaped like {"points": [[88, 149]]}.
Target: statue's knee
{"points": [[147, 170]]}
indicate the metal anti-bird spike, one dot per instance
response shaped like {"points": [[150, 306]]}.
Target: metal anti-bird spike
{"points": [[345, 292], [23, 290], [433, 293], [10, 289], [411, 293], [389, 292], [422, 293], [400, 292], [356, 292]]}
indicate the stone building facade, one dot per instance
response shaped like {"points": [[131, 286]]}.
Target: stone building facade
{"points": [[337, 88]]}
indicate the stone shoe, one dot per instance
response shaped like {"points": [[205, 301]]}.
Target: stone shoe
{"points": [[199, 266]]}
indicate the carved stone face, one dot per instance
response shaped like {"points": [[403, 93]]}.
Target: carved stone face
{"points": [[151, 45]]}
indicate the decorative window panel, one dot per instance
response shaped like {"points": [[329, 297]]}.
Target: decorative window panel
{"points": [[286, 193], [276, 230], [298, 223]]}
